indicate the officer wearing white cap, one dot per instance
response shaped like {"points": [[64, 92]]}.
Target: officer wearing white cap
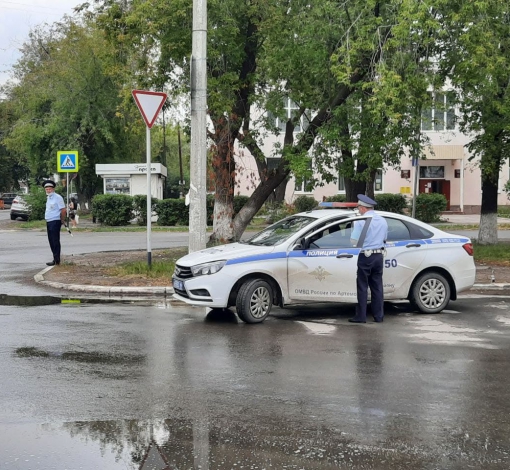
{"points": [[55, 216], [370, 261]]}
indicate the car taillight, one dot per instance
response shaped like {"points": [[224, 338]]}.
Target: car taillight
{"points": [[469, 248]]}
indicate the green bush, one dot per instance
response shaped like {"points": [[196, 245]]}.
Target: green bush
{"points": [[113, 209], [336, 198], [429, 206], [276, 211], [36, 199], [140, 208], [172, 212], [305, 203], [239, 202], [396, 203]]}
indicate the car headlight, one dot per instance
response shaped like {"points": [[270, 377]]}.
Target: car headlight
{"points": [[207, 268]]}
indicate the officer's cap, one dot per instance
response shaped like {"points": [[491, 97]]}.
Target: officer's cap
{"points": [[48, 184], [365, 201]]}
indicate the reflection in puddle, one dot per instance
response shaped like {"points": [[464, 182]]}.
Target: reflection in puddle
{"points": [[41, 300], [207, 444]]}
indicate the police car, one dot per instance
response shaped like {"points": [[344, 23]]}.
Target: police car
{"points": [[310, 257]]}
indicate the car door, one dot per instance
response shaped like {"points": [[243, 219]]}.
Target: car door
{"points": [[324, 268], [404, 255]]}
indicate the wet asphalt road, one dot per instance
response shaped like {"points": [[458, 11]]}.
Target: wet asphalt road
{"points": [[139, 385]]}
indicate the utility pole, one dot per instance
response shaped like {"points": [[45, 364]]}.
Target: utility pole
{"points": [[198, 167], [181, 174]]}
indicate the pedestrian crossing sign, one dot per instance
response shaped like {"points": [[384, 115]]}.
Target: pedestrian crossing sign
{"points": [[67, 161]]}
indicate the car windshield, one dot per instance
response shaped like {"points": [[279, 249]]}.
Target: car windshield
{"points": [[280, 231]]}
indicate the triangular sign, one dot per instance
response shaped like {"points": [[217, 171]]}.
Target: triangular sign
{"points": [[149, 103]]}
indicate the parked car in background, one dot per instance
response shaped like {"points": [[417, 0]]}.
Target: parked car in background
{"points": [[7, 198], [19, 209]]}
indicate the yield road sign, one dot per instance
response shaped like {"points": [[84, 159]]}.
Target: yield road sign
{"points": [[149, 103], [67, 161]]}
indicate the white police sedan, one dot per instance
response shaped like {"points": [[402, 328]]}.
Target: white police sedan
{"points": [[310, 257]]}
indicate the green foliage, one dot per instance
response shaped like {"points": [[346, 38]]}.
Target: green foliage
{"points": [[36, 199], [172, 212], [499, 253], [239, 202], [429, 206], [68, 93], [113, 209], [305, 203], [391, 203], [140, 208], [336, 198], [503, 211], [276, 211], [507, 189]]}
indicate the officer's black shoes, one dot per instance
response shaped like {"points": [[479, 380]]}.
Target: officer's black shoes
{"points": [[355, 320], [378, 320], [52, 263]]}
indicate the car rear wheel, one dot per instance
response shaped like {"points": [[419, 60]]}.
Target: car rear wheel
{"points": [[430, 293], [254, 301]]}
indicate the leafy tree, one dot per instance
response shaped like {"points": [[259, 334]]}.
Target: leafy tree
{"points": [[67, 94], [324, 57], [476, 58], [13, 169]]}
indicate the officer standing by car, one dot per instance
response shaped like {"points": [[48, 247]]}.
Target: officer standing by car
{"points": [[370, 261], [55, 216]]}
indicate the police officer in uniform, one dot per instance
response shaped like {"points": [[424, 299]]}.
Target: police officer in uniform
{"points": [[55, 216], [370, 261]]}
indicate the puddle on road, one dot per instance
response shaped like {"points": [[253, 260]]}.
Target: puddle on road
{"points": [[200, 442], [41, 300]]}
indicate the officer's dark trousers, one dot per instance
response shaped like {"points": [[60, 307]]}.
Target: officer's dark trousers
{"points": [[370, 271], [53, 229]]}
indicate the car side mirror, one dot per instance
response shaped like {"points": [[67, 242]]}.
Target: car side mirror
{"points": [[303, 244]]}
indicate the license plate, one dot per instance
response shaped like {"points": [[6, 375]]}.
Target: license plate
{"points": [[179, 285]]}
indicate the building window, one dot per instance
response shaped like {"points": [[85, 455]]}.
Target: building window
{"points": [[116, 186], [272, 163], [431, 172], [341, 184], [378, 186], [302, 184], [378, 182], [441, 117], [290, 109]]}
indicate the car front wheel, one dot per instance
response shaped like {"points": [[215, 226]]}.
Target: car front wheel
{"points": [[430, 293], [13, 217], [254, 301]]}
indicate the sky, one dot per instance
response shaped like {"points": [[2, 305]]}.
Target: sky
{"points": [[18, 17]]}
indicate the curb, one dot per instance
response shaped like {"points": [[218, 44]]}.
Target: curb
{"points": [[114, 291]]}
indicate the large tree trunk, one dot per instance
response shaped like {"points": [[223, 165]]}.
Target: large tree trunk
{"points": [[488, 234], [224, 169], [259, 196]]}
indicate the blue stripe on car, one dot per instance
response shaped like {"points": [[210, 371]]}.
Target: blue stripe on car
{"points": [[326, 252]]}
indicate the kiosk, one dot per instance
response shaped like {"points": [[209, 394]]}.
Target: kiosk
{"points": [[131, 178]]}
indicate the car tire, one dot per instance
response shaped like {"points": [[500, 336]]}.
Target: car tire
{"points": [[430, 293], [254, 301], [13, 217]]}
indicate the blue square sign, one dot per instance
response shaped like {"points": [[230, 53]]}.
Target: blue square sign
{"points": [[67, 161]]}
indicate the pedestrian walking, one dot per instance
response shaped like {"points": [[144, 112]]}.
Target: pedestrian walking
{"points": [[73, 208], [370, 261], [55, 217]]}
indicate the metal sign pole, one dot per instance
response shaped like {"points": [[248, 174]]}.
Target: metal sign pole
{"points": [[416, 166], [67, 200], [149, 198]]}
